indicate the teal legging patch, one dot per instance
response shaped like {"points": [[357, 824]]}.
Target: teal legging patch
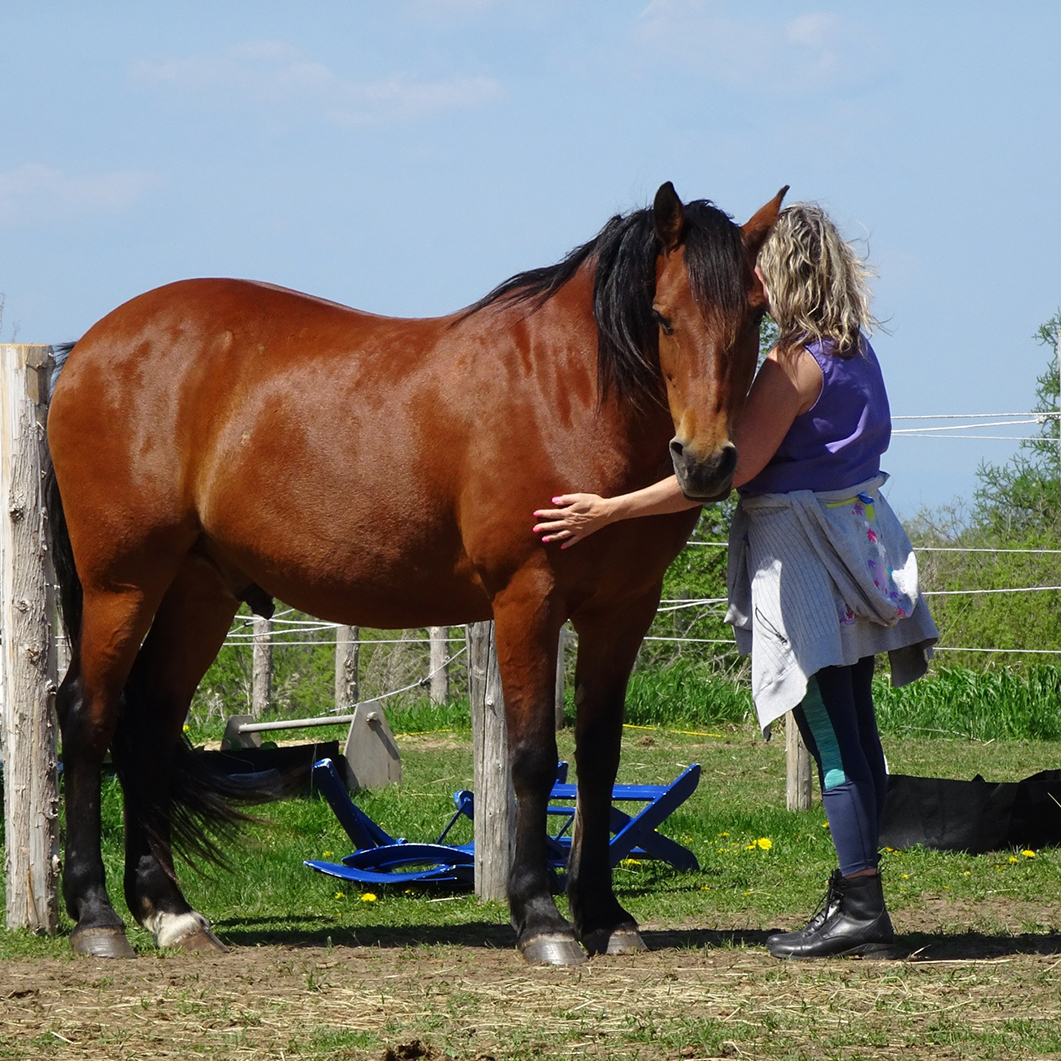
{"points": [[839, 727], [830, 762]]}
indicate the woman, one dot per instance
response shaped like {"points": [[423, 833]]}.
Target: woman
{"points": [[821, 574]]}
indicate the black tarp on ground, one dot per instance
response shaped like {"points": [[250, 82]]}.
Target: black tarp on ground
{"points": [[292, 764], [973, 816]]}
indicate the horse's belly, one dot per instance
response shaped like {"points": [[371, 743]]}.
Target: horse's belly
{"points": [[387, 603], [387, 581]]}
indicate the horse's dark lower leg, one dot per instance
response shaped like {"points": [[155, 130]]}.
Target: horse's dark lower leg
{"points": [[606, 654], [155, 898], [189, 628], [99, 932], [543, 934], [152, 893], [526, 651]]}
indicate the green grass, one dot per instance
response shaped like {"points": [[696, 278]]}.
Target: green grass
{"points": [[996, 705], [270, 897], [709, 990], [950, 702], [1003, 704]]}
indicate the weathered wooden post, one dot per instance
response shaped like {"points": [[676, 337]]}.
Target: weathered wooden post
{"points": [[560, 647], [495, 803], [797, 767], [261, 666], [437, 667], [347, 661], [27, 652]]}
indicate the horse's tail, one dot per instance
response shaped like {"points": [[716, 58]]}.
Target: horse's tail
{"points": [[66, 576], [198, 808]]}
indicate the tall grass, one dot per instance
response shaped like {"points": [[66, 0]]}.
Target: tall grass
{"points": [[954, 702], [686, 692], [950, 702]]}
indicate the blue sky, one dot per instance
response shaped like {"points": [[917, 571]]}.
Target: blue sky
{"points": [[405, 156]]}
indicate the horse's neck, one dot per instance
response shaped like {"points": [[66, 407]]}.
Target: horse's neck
{"points": [[630, 444]]}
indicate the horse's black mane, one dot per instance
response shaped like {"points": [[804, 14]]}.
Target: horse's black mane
{"points": [[625, 251]]}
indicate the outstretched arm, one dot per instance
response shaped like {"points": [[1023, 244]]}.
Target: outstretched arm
{"points": [[784, 388], [578, 515]]}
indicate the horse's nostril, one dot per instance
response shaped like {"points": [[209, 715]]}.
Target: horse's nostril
{"points": [[727, 462], [676, 448]]}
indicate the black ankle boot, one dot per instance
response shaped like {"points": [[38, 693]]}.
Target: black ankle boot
{"points": [[852, 922]]}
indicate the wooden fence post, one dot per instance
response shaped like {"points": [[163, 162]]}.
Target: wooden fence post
{"points": [[347, 661], [495, 803], [561, 645], [27, 652], [797, 767], [439, 669], [261, 666]]}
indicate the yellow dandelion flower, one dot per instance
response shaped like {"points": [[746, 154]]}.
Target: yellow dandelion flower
{"points": [[631, 862], [1013, 858], [905, 876], [368, 897], [340, 895], [764, 843], [725, 836], [1028, 853], [327, 854]]}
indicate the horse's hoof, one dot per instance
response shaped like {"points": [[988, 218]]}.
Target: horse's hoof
{"points": [[553, 950], [614, 941], [201, 942], [101, 942], [188, 931]]}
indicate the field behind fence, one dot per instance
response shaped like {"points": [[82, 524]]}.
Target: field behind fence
{"points": [[996, 672]]}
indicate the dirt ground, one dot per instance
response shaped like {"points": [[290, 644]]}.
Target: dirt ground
{"points": [[696, 994]]}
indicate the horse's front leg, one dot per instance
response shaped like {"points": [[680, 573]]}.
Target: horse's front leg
{"points": [[526, 655], [608, 642]]}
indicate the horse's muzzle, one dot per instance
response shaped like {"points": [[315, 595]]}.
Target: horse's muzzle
{"points": [[709, 479]]}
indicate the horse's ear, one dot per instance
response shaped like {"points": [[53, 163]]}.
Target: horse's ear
{"points": [[758, 227], [668, 215]]}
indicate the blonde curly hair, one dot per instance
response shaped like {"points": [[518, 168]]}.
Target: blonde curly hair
{"points": [[818, 285]]}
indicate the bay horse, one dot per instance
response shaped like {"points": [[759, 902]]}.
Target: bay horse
{"points": [[216, 441]]}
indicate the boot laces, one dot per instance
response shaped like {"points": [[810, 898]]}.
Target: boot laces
{"points": [[829, 904]]}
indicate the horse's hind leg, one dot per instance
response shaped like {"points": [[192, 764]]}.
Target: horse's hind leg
{"points": [[608, 642], [189, 629], [88, 702]]}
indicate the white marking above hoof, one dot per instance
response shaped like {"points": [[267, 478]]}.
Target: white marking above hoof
{"points": [[170, 930]]}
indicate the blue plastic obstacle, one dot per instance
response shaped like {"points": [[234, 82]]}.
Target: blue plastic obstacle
{"points": [[380, 858]]}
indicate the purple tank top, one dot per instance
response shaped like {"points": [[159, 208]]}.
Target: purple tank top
{"points": [[839, 440]]}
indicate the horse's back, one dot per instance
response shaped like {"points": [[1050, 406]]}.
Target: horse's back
{"points": [[313, 448], [333, 456]]}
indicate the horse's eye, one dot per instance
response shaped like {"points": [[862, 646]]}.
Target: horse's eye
{"points": [[664, 322]]}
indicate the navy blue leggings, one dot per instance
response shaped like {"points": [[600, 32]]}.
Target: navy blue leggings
{"points": [[839, 727]]}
